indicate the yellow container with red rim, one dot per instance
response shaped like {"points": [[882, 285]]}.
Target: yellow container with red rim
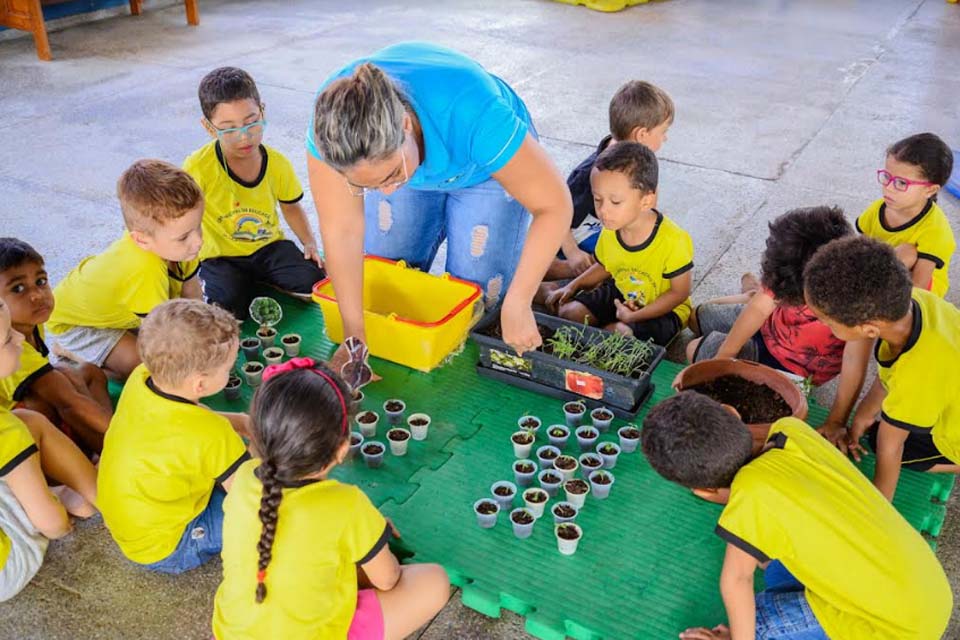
{"points": [[411, 317]]}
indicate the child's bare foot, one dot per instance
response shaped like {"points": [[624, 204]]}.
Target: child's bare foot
{"points": [[749, 283], [73, 502]]}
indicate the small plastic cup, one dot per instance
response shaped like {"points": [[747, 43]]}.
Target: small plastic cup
{"points": [[609, 459], [587, 437], [574, 412], [568, 537], [419, 424], [291, 344], [598, 488], [251, 349], [601, 417], [567, 466], [394, 414], [531, 497], [589, 462], [356, 441], [558, 435], [372, 453], [574, 496], [253, 373], [629, 438], [232, 389], [505, 501], [273, 355], [521, 477], [550, 487], [368, 426], [568, 511], [267, 336], [487, 511], [522, 529], [399, 440], [522, 451], [530, 423], [546, 455]]}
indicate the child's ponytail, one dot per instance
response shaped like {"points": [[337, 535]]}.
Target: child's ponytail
{"points": [[269, 506]]}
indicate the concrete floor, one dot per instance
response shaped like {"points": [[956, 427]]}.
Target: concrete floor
{"points": [[779, 104]]}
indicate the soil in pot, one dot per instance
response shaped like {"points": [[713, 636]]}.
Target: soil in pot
{"points": [[601, 478], [577, 487], [565, 462], [419, 422], [290, 340], [398, 435], [394, 406], [567, 532], [574, 407], [552, 478], [355, 439], [522, 438], [547, 454], [522, 517], [608, 449], [603, 414], [756, 403], [630, 433], [559, 433], [487, 508], [372, 449], [592, 461], [503, 491], [588, 434], [564, 511], [535, 496], [367, 417], [524, 467], [530, 423]]}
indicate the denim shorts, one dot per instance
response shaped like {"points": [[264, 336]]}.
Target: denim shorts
{"points": [[201, 541], [783, 612]]}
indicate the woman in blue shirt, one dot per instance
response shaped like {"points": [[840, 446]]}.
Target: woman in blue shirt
{"points": [[418, 143]]}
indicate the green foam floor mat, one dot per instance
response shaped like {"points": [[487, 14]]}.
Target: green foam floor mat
{"points": [[648, 564]]}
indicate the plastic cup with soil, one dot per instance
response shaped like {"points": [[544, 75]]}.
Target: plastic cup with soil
{"points": [[546, 455], [523, 521], [372, 453], [251, 348], [273, 355], [564, 512], [587, 438], [399, 439], [522, 444], [609, 452], [550, 481], [600, 483], [356, 441], [503, 492], [576, 491], [367, 421], [567, 466], [573, 412], [530, 423], [419, 424], [486, 510], [629, 438], [267, 336], [601, 417], [524, 472], [536, 500], [357, 397], [394, 409], [568, 537], [558, 435], [589, 462], [232, 390], [252, 373], [291, 344]]}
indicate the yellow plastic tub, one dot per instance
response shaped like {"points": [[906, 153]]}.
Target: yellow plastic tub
{"points": [[605, 5], [411, 317]]}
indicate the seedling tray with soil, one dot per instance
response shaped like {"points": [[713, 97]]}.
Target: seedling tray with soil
{"points": [[576, 362]]}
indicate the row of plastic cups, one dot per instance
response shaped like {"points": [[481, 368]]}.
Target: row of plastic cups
{"points": [[524, 471], [251, 346], [587, 437], [372, 451], [567, 532], [418, 423]]}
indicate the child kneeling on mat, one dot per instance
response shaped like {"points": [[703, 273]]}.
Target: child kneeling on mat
{"points": [[640, 284], [839, 561], [296, 541]]}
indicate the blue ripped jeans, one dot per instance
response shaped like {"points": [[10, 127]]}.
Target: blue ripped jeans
{"points": [[783, 612], [485, 228]]}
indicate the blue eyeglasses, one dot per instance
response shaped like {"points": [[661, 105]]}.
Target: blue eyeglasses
{"points": [[236, 133]]}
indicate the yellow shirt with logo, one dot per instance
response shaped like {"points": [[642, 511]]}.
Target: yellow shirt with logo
{"points": [[241, 217], [16, 445], [643, 272], [162, 457], [325, 529], [929, 232], [923, 381], [116, 289], [33, 365], [868, 575]]}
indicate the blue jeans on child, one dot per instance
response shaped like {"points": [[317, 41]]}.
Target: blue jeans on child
{"points": [[485, 228], [201, 541], [783, 612]]}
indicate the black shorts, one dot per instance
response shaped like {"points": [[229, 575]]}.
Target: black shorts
{"points": [[600, 303], [919, 451]]}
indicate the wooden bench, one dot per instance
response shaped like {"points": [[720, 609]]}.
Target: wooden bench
{"points": [[27, 15]]}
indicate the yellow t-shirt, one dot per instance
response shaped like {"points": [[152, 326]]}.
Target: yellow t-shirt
{"points": [[16, 445], [116, 289], [643, 272], [922, 382], [162, 457], [325, 529], [241, 217], [868, 575], [33, 365], [930, 232]]}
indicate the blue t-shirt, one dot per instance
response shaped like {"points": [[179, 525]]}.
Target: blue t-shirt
{"points": [[473, 123]]}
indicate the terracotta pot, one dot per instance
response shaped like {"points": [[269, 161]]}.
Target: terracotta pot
{"points": [[708, 370]]}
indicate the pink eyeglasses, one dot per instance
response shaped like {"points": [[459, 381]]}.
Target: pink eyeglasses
{"points": [[884, 177]]}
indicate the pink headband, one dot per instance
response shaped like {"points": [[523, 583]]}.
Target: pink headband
{"points": [[309, 363]]}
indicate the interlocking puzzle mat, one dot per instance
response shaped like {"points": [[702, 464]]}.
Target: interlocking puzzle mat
{"points": [[648, 563]]}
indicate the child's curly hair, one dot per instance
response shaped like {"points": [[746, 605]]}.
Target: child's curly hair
{"points": [[794, 238]]}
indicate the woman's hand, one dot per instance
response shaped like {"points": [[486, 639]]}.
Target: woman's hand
{"points": [[519, 326]]}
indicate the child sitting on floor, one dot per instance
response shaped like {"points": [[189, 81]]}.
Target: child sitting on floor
{"points": [[244, 182], [641, 282], [907, 217], [296, 541], [914, 405], [32, 449], [776, 328], [839, 561], [74, 396], [101, 302], [167, 460]]}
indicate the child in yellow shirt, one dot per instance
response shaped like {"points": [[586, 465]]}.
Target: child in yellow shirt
{"points": [[73, 396], [640, 284], [32, 449], [907, 217], [295, 541], [101, 303]]}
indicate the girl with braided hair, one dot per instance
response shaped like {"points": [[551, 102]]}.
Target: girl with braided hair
{"points": [[305, 556]]}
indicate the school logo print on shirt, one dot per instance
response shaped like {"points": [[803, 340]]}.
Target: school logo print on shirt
{"points": [[249, 225], [636, 287]]}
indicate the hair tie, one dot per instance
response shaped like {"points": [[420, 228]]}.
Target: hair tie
{"points": [[293, 364], [261, 576]]}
